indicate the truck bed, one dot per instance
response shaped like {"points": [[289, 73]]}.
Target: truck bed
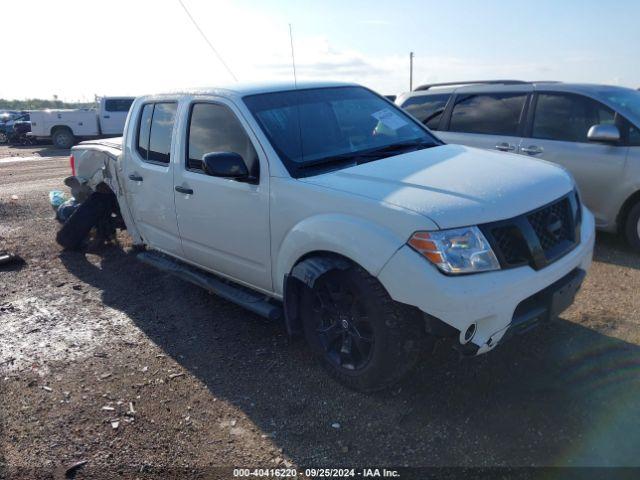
{"points": [[115, 143]]}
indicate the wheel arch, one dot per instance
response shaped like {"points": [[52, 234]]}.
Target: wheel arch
{"points": [[353, 238], [55, 128], [326, 242], [627, 205]]}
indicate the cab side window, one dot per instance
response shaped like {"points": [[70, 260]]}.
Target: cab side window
{"points": [[427, 108], [215, 128], [155, 130], [568, 117], [118, 104], [488, 113]]}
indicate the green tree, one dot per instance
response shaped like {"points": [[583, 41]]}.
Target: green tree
{"points": [[41, 104]]}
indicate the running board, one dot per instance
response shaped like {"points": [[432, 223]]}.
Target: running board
{"points": [[252, 301]]}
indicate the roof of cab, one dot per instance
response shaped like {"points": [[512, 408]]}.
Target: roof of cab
{"points": [[244, 89]]}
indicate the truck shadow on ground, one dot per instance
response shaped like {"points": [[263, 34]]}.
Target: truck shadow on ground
{"points": [[561, 395], [41, 150]]}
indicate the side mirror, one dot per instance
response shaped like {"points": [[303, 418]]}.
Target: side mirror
{"points": [[225, 164], [604, 133]]}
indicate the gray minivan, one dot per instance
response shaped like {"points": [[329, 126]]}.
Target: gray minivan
{"points": [[591, 130]]}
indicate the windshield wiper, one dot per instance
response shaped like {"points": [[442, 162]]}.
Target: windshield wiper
{"points": [[343, 158], [364, 156], [380, 152]]}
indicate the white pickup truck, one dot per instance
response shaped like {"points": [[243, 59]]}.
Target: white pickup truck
{"points": [[66, 127], [328, 207]]}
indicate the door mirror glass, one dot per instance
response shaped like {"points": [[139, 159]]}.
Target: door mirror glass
{"points": [[604, 133], [225, 164]]}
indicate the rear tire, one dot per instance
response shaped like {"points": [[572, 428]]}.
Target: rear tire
{"points": [[86, 216], [361, 336], [632, 227], [3, 138], [63, 138]]}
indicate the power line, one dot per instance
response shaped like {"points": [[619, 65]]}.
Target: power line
{"points": [[207, 40]]}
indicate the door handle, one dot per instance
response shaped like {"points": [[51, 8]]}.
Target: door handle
{"points": [[135, 177], [107, 116], [505, 147], [186, 191], [532, 150]]}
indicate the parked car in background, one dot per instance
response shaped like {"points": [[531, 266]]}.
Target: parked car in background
{"points": [[591, 130], [13, 124], [65, 127], [332, 210]]}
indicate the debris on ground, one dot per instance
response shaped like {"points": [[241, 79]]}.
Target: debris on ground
{"points": [[57, 198], [65, 210]]}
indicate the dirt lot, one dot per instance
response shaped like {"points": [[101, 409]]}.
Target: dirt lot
{"points": [[106, 360]]}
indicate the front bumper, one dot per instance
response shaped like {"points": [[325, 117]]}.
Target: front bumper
{"points": [[493, 301]]}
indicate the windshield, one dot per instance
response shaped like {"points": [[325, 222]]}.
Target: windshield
{"points": [[334, 127], [627, 101]]}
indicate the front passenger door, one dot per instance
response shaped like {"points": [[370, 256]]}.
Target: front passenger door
{"points": [[558, 133], [224, 223]]}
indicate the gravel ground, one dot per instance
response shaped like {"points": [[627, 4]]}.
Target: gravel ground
{"points": [[105, 360]]}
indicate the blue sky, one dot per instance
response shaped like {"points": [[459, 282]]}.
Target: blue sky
{"points": [[144, 46]]}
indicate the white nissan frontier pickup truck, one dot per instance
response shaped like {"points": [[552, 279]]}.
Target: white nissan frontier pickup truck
{"points": [[327, 207]]}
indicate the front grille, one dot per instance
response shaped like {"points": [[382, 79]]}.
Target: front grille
{"points": [[539, 237], [558, 213], [510, 243]]}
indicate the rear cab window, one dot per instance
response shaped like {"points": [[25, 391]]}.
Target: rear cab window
{"points": [[118, 104], [427, 108], [488, 113], [155, 128]]}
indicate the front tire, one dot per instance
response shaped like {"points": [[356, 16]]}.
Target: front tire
{"points": [[361, 336], [632, 227]]}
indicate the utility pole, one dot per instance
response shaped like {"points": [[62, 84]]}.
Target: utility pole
{"points": [[410, 71]]}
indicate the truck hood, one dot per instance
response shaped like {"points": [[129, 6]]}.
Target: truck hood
{"points": [[453, 185]]}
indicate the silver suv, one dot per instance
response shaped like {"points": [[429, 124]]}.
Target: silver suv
{"points": [[591, 130]]}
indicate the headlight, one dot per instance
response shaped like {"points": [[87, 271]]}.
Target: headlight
{"points": [[459, 250]]}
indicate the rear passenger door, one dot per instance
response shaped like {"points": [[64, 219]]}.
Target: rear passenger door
{"points": [[149, 177], [490, 120], [224, 223], [558, 133]]}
